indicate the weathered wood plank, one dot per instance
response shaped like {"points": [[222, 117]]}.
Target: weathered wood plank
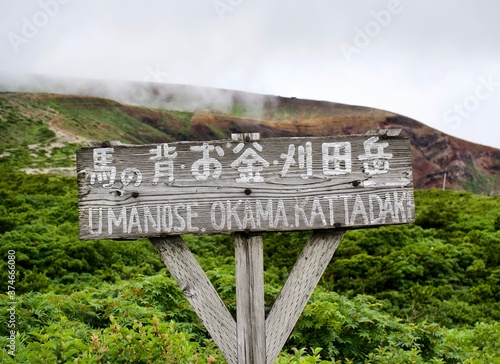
{"points": [[298, 289], [276, 184], [200, 293], [250, 312]]}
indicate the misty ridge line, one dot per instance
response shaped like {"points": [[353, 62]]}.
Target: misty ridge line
{"points": [[30, 27], [185, 98], [198, 99], [167, 96]]}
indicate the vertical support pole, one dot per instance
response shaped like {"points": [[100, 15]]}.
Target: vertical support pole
{"points": [[250, 312], [250, 322]]}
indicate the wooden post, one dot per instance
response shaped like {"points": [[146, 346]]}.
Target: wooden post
{"points": [[251, 326], [250, 312], [246, 186]]}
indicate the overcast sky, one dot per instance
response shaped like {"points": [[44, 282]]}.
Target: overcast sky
{"points": [[435, 61]]}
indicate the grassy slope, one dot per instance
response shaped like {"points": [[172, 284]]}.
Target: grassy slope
{"points": [[28, 119], [43, 131]]}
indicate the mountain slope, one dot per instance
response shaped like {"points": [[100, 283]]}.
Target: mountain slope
{"points": [[28, 118]]}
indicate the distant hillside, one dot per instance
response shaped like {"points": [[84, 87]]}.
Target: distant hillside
{"points": [[40, 118]]}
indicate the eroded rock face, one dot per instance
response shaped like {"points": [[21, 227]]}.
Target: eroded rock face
{"points": [[466, 165]]}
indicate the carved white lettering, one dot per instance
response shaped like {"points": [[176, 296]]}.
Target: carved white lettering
{"points": [[289, 160], [201, 169], [280, 215], [254, 214], [300, 211], [266, 214], [167, 225], [305, 160], [316, 210], [112, 220], [388, 209], [399, 206], [189, 217], [103, 171], [134, 220], [249, 164], [148, 218], [231, 213], [359, 209], [248, 217], [129, 174], [410, 205], [331, 209], [179, 218], [164, 162], [346, 208], [213, 218], [371, 207], [335, 163], [378, 162], [91, 221]]}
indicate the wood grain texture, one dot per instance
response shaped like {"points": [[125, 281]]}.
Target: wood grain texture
{"points": [[200, 292], [251, 318], [276, 184], [298, 289]]}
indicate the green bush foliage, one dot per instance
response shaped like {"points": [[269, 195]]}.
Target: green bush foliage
{"points": [[422, 293]]}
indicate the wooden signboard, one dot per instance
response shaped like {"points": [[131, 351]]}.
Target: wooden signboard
{"points": [[279, 184], [246, 186]]}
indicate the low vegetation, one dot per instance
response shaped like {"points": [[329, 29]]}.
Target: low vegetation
{"points": [[422, 293]]}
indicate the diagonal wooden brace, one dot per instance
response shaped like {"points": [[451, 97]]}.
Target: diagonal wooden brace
{"points": [[200, 293], [298, 288]]}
